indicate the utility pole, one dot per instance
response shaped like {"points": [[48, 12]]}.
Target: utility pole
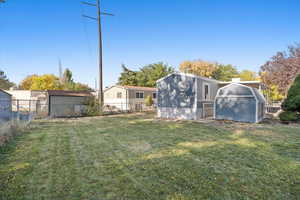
{"points": [[98, 19], [100, 93]]}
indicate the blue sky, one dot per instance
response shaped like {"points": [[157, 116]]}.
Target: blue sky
{"points": [[245, 33]]}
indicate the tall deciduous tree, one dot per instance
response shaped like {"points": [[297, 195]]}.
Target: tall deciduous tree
{"points": [[149, 74], [198, 67], [68, 82], [128, 77], [43, 82], [282, 69], [67, 76], [146, 76], [5, 84], [52, 82], [225, 72], [247, 75]]}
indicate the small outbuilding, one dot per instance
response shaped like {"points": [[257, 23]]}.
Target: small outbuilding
{"points": [[239, 103], [67, 103], [5, 106]]}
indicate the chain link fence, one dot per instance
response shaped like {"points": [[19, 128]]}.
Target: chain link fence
{"points": [[127, 107], [27, 110]]}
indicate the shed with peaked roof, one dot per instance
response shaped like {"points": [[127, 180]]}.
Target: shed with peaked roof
{"points": [[239, 102]]}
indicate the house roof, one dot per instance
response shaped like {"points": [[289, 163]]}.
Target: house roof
{"points": [[189, 75], [129, 87], [241, 82], [139, 88], [236, 88], [69, 93], [5, 92]]}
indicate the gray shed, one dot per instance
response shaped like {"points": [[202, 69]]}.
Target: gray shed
{"points": [[67, 103], [185, 96], [239, 103], [5, 106]]}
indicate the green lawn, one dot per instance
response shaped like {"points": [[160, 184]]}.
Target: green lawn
{"points": [[139, 157]]}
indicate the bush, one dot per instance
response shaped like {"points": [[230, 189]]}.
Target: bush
{"points": [[149, 101], [92, 107], [288, 116], [292, 102]]}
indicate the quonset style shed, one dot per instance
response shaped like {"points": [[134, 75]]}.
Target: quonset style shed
{"points": [[239, 103], [185, 96]]}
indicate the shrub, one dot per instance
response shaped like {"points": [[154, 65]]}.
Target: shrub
{"points": [[288, 116], [149, 101], [292, 102], [92, 107]]}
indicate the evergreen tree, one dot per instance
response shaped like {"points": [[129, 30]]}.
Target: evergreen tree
{"points": [[5, 84], [292, 102]]}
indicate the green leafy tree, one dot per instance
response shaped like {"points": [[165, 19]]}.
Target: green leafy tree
{"points": [[247, 75], [146, 76], [5, 84], [68, 82], [292, 102], [67, 76], [128, 77], [225, 72], [149, 74], [81, 87]]}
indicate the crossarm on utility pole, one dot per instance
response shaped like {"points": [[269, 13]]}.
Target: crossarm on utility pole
{"points": [[87, 3], [93, 18]]}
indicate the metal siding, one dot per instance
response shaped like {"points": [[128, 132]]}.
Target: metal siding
{"points": [[236, 109], [180, 96], [5, 107], [177, 92], [66, 106]]}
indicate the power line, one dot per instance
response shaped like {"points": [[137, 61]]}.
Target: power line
{"points": [[83, 21], [98, 19]]}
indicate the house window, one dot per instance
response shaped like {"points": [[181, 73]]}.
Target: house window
{"points": [[206, 93], [119, 95], [154, 95], [139, 95]]}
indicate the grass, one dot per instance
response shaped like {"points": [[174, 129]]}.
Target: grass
{"points": [[138, 157], [9, 130]]}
